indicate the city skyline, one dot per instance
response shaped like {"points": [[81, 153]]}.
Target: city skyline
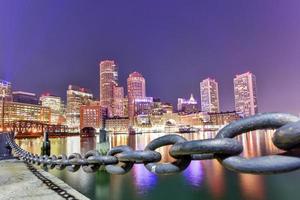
{"points": [[118, 92], [202, 39]]}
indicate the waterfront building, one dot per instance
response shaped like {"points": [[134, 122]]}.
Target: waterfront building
{"points": [[192, 119], [209, 92], [142, 121], [187, 106], [5, 90], [76, 97], [15, 111], [25, 97], [92, 116], [167, 108], [166, 119], [136, 87], [125, 106], [118, 101], [223, 118], [160, 107], [143, 106], [117, 124], [245, 94], [108, 80], [55, 105]]}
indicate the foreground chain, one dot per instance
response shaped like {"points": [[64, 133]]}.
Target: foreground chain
{"points": [[224, 148]]}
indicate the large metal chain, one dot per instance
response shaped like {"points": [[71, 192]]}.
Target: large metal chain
{"points": [[224, 148]]}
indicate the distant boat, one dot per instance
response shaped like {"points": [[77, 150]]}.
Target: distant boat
{"points": [[187, 129]]}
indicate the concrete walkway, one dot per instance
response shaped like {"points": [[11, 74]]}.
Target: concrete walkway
{"points": [[18, 182]]}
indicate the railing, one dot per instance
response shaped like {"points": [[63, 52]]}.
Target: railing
{"points": [[224, 148]]}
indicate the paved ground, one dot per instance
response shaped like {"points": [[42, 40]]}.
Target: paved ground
{"points": [[18, 182]]}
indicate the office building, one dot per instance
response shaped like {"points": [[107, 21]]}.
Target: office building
{"points": [[76, 97], [245, 94], [136, 87], [209, 92], [108, 80]]}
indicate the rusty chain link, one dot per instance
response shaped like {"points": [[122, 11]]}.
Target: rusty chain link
{"points": [[224, 148]]}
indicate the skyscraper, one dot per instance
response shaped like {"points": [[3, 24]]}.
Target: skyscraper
{"points": [[118, 101], [245, 94], [136, 87], [108, 79], [76, 97], [209, 92]]}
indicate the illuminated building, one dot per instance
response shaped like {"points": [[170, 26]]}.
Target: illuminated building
{"points": [[55, 105], [14, 111], [209, 92], [192, 119], [118, 101], [167, 108], [245, 94], [6, 90], [159, 107], [160, 121], [136, 87], [125, 106], [187, 106], [92, 116], [223, 118], [117, 124], [142, 121], [25, 97], [76, 97], [143, 106], [108, 79]]}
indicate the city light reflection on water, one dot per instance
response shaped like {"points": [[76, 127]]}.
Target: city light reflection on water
{"points": [[201, 180]]}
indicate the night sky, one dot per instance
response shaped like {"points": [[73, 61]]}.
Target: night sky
{"points": [[46, 45]]}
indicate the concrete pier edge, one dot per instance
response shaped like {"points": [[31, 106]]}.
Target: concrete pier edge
{"points": [[18, 182]]}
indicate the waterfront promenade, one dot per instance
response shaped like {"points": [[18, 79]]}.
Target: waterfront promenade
{"points": [[19, 181]]}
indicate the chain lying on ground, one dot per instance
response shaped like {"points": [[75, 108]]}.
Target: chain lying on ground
{"points": [[61, 192], [224, 148]]}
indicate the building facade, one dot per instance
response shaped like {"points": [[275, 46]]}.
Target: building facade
{"points": [[209, 92], [76, 97], [5, 90], [15, 111], [245, 94], [223, 118], [187, 106], [143, 106], [92, 116], [55, 105], [136, 87], [25, 97], [118, 101], [108, 80], [117, 124]]}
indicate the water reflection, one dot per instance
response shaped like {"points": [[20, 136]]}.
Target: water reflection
{"points": [[207, 177], [144, 180], [215, 178], [194, 174]]}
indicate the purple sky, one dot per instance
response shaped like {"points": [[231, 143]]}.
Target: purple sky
{"points": [[46, 45]]}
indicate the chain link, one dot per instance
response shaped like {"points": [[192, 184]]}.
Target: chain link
{"points": [[224, 148]]}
